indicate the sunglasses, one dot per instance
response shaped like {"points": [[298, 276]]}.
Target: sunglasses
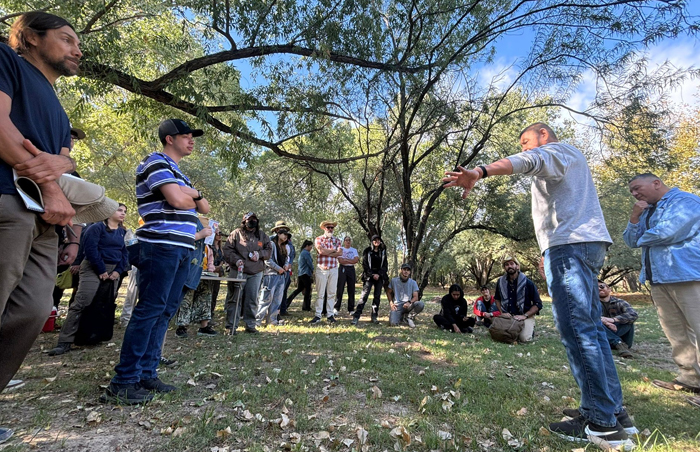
{"points": [[330, 227], [602, 286]]}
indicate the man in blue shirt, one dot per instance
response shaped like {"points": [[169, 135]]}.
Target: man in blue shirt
{"points": [[35, 143], [168, 204], [665, 223]]}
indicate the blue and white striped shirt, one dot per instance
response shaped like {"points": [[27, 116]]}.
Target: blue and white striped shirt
{"points": [[163, 223]]}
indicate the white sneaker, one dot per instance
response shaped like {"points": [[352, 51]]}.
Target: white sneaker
{"points": [[14, 384], [410, 322]]}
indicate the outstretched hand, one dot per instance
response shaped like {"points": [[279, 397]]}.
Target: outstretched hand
{"points": [[462, 178]]}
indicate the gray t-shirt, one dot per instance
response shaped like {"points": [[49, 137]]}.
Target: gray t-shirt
{"points": [[565, 206], [403, 291]]}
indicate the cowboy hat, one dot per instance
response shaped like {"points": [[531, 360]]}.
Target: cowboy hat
{"points": [[280, 225], [328, 223]]}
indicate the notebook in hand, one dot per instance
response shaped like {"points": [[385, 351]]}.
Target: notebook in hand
{"points": [[30, 193]]}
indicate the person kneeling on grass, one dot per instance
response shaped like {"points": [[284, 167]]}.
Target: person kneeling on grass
{"points": [[453, 315], [403, 298], [517, 298]]}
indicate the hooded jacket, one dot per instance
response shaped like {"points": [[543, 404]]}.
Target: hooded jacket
{"points": [[375, 262]]}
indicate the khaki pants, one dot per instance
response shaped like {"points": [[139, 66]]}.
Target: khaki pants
{"points": [[27, 278], [528, 330], [678, 306]]}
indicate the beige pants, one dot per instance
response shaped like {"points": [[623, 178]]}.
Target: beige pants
{"points": [[528, 330], [678, 306], [27, 278]]}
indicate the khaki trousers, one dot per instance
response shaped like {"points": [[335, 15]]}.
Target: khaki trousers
{"points": [[678, 306], [27, 278]]}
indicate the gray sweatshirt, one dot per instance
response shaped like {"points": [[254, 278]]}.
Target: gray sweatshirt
{"points": [[565, 206]]}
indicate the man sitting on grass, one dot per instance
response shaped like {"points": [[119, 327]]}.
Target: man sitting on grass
{"points": [[485, 308], [618, 319], [403, 298]]}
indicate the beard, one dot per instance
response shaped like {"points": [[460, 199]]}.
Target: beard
{"points": [[328, 234], [403, 279], [62, 66], [511, 271]]}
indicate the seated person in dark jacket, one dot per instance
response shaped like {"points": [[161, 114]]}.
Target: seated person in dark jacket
{"points": [[453, 315], [485, 308], [517, 297], [618, 318]]}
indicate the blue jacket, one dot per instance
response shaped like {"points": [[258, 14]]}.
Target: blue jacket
{"points": [[306, 263], [105, 247], [673, 238]]}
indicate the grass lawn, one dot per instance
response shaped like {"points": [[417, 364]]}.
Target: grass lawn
{"points": [[372, 388]]}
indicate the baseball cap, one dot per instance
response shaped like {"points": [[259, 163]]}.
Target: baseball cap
{"points": [[77, 133], [176, 127], [406, 265]]}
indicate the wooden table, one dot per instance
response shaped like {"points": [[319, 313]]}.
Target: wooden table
{"points": [[237, 285]]}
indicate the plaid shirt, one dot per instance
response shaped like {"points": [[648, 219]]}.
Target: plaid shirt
{"points": [[327, 262], [619, 310]]}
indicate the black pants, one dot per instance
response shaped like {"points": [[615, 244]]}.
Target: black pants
{"points": [[461, 324], [366, 289], [346, 275], [215, 287], [303, 285]]}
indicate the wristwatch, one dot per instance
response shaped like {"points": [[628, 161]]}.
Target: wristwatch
{"points": [[199, 196]]}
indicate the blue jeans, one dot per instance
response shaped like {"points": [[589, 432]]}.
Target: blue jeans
{"points": [[271, 295], [624, 333], [572, 277], [163, 270]]}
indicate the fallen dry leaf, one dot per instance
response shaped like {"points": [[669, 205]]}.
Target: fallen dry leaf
{"points": [[225, 433], [376, 392], [294, 438], [363, 434], [401, 434], [444, 435], [522, 411], [447, 405], [322, 435], [179, 431], [93, 418], [348, 442], [285, 421], [423, 402]]}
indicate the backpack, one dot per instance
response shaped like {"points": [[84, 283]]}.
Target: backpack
{"points": [[505, 330]]}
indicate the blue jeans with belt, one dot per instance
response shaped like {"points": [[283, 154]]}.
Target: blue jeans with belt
{"points": [[572, 277], [163, 270]]}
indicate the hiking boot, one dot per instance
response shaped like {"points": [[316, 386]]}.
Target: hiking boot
{"points": [[331, 320], [623, 350], [181, 332], [622, 417], [206, 331], [61, 348], [315, 320], [126, 394], [5, 434], [579, 429], [156, 385], [374, 318], [354, 321], [411, 323], [166, 362]]}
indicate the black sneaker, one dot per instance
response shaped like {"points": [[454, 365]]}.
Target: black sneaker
{"points": [[181, 332], [622, 417], [579, 429], [315, 320], [355, 321], [156, 385], [166, 362], [374, 318], [127, 394], [251, 329], [331, 320], [207, 331], [61, 348]]}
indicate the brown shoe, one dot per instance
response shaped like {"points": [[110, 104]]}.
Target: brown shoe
{"points": [[675, 385], [623, 350]]}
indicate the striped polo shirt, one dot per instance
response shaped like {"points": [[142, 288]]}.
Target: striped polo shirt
{"points": [[163, 223]]}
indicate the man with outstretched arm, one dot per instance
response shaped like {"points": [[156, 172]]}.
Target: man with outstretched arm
{"points": [[573, 241], [34, 142]]}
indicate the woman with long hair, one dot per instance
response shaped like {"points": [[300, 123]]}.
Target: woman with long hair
{"points": [[105, 259], [248, 248], [272, 292]]}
